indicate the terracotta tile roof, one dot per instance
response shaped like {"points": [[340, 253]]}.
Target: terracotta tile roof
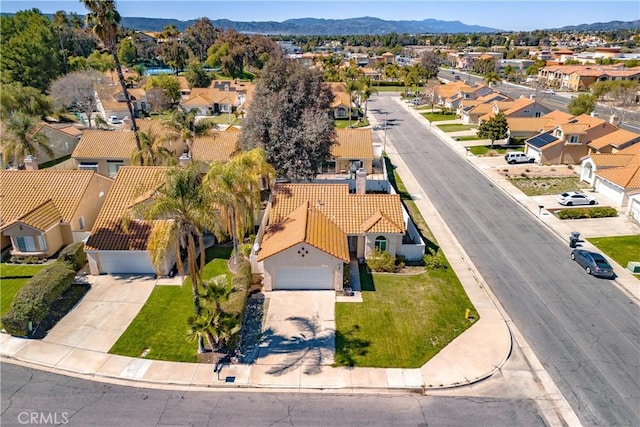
{"points": [[305, 225], [42, 217], [449, 89], [218, 146], [129, 187], [70, 130], [526, 124], [558, 117], [616, 139], [109, 144], [626, 177], [23, 192], [379, 223], [610, 160], [353, 144], [485, 108], [574, 128], [348, 211], [182, 81]]}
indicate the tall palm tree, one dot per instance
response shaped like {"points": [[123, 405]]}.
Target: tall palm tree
{"points": [[20, 138], [492, 78], [186, 127], [184, 201], [104, 19], [216, 291], [366, 90], [352, 87], [152, 151], [235, 188]]}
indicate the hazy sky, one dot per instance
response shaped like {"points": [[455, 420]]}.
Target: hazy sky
{"points": [[501, 14]]}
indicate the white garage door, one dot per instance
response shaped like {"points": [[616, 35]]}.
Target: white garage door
{"points": [[130, 262], [303, 278]]}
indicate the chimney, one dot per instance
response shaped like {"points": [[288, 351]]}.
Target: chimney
{"points": [[31, 163], [361, 181], [126, 123], [185, 159]]}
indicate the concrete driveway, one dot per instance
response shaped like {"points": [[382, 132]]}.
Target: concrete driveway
{"points": [[104, 313], [298, 333]]}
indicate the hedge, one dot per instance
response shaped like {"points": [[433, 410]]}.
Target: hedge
{"points": [[594, 212], [33, 300], [74, 255]]}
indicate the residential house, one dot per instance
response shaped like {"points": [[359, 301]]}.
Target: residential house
{"points": [[106, 151], [112, 250], [569, 142], [466, 92], [581, 77], [527, 127], [62, 139], [41, 211], [112, 102], [221, 97], [522, 107], [217, 146], [312, 230], [342, 103], [471, 114], [353, 150], [614, 142], [616, 176]]}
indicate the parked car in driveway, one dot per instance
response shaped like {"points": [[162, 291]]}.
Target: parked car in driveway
{"points": [[572, 198], [114, 120], [593, 263], [518, 157]]}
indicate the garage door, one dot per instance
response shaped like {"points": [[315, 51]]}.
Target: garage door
{"points": [[303, 278], [131, 262]]}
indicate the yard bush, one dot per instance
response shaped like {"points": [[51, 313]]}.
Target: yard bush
{"points": [[435, 261], [383, 261], [242, 279], [33, 301], [596, 212], [73, 255]]}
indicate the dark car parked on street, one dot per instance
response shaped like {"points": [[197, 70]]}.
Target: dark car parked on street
{"points": [[593, 263]]}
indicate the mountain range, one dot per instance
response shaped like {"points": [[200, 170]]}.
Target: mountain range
{"points": [[320, 27]]}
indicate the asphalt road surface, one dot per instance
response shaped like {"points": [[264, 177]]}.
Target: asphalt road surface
{"points": [[31, 397], [584, 330]]}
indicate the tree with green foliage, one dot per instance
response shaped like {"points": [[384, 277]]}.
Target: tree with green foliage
{"points": [[174, 55], [101, 61], [492, 78], [30, 50], [104, 19], [495, 128], [20, 138], [485, 66], [185, 126], [28, 100], [620, 95], [431, 63], [200, 37], [584, 103], [169, 85], [196, 75], [153, 152], [290, 118], [169, 31], [127, 53]]}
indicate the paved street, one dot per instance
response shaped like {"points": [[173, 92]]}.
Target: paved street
{"points": [[583, 330]]}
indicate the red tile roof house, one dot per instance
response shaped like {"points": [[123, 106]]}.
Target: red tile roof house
{"points": [[111, 250], [616, 176], [41, 211], [310, 231], [569, 142]]}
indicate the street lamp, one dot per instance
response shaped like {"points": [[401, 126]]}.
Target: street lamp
{"points": [[384, 144]]}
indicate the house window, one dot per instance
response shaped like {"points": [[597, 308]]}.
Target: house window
{"points": [[574, 139], [88, 167], [558, 133], [538, 114], [28, 243], [112, 168], [82, 222], [381, 243]]}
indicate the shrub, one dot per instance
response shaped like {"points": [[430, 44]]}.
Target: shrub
{"points": [[435, 261], [382, 261], [73, 255], [242, 279], [346, 275], [594, 212], [33, 301]]}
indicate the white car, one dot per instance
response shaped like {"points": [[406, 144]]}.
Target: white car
{"points": [[549, 91], [114, 120], [572, 198]]}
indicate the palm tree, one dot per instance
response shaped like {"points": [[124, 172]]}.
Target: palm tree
{"points": [[186, 127], [366, 90], [492, 78], [201, 327], [352, 87], [235, 189], [152, 151], [183, 203], [217, 291], [105, 21], [20, 138]]}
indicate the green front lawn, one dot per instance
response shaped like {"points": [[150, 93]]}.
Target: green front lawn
{"points": [[548, 186], [343, 124], [404, 320], [454, 127], [467, 138], [622, 249], [436, 117], [12, 278], [485, 150], [161, 326]]}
